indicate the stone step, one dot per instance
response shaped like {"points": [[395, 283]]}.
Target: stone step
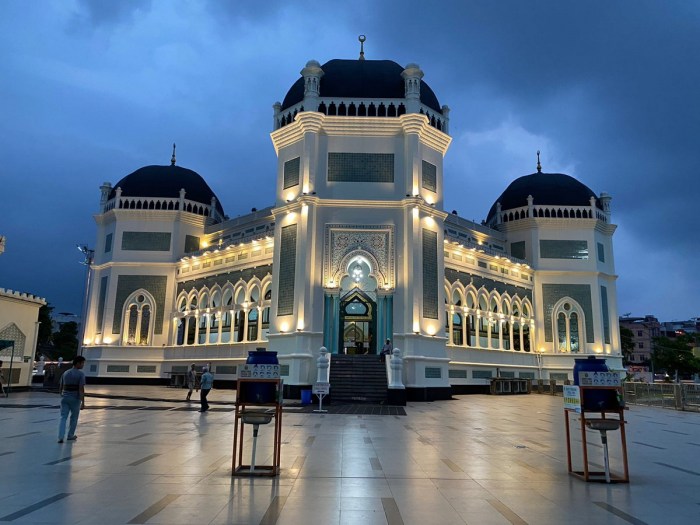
{"points": [[358, 378]]}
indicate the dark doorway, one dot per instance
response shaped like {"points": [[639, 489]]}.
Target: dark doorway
{"points": [[358, 324]]}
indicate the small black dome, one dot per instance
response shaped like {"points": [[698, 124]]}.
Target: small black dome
{"points": [[361, 79], [555, 189], [166, 181]]}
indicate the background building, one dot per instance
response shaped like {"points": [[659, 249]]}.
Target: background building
{"points": [[644, 330], [19, 326], [356, 249]]}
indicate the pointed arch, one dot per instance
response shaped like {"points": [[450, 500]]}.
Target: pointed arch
{"points": [[138, 316]]}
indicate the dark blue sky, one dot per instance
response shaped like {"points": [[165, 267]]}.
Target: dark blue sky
{"points": [[608, 90]]}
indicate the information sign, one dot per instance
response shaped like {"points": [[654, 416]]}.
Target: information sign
{"points": [[572, 398], [598, 379], [259, 371], [321, 388]]}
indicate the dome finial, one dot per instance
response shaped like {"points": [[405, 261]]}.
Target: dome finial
{"points": [[362, 39], [539, 166], [172, 159]]}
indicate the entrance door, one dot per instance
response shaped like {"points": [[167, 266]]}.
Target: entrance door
{"points": [[358, 323]]}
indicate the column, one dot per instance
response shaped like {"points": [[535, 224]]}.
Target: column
{"points": [[244, 338], [381, 314], [208, 332], [390, 318], [450, 325], [335, 333], [327, 326]]}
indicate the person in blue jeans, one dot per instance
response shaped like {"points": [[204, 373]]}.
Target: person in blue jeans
{"points": [[72, 391], [206, 382]]}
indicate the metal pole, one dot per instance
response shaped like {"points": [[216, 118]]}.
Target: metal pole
{"points": [[9, 379], [89, 257]]}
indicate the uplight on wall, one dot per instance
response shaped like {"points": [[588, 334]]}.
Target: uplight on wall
{"points": [[284, 327]]}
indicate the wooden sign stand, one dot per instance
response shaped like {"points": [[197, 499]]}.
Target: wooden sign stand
{"points": [[597, 419], [256, 414]]}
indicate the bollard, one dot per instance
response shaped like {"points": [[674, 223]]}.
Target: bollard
{"points": [[322, 365], [396, 365]]}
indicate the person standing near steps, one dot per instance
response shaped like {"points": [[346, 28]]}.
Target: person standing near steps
{"points": [[206, 382], [72, 391]]}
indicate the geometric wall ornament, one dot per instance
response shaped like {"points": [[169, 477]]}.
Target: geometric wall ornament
{"points": [[342, 241], [11, 332], [581, 293]]}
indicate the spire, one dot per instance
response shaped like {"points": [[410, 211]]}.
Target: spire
{"points": [[539, 166], [172, 159], [362, 39]]}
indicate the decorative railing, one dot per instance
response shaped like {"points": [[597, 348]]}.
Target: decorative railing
{"points": [[548, 212], [361, 108], [163, 204]]}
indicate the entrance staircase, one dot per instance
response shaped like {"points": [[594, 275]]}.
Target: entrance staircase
{"points": [[358, 379]]}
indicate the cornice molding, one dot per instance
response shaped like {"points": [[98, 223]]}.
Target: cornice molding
{"points": [[334, 126]]}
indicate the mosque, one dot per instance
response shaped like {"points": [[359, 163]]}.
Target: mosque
{"points": [[357, 249]]}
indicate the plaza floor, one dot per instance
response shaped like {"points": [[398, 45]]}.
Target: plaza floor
{"points": [[145, 456]]}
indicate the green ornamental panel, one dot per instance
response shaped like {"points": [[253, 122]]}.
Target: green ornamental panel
{"points": [[429, 179], [287, 274], [128, 284], [291, 173], [453, 275], [554, 249], [430, 274], [581, 293], [361, 167], [146, 241]]}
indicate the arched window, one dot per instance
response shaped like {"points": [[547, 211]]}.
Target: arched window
{"points": [[483, 322], [253, 324], [227, 306], [138, 318], [494, 323], [265, 325], [568, 324]]}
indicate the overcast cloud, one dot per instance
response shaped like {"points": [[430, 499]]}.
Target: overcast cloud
{"points": [[608, 90]]}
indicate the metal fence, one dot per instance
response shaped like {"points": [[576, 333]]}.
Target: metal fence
{"points": [[678, 396]]}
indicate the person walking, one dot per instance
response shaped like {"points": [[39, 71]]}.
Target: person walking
{"points": [[206, 382], [191, 381], [71, 388], [386, 350]]}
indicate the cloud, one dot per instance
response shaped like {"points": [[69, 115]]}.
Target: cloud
{"points": [[104, 13]]}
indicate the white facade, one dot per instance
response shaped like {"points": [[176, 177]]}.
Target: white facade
{"points": [[357, 249]]}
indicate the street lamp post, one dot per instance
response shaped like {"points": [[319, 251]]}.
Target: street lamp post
{"points": [[89, 257]]}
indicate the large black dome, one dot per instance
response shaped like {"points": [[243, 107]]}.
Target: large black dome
{"points": [[361, 79], [555, 189], [166, 181]]}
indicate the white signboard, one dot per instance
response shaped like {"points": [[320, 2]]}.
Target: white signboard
{"points": [[598, 379], [322, 388], [256, 371], [572, 398]]}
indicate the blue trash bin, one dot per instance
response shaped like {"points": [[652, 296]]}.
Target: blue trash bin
{"points": [[306, 397]]}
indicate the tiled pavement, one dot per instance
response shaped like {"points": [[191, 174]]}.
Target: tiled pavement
{"points": [[148, 457]]}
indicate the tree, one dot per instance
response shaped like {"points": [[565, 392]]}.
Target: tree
{"points": [[45, 328], [66, 340], [627, 344], [676, 355]]}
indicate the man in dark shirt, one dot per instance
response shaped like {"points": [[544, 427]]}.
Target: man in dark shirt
{"points": [[72, 391]]}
